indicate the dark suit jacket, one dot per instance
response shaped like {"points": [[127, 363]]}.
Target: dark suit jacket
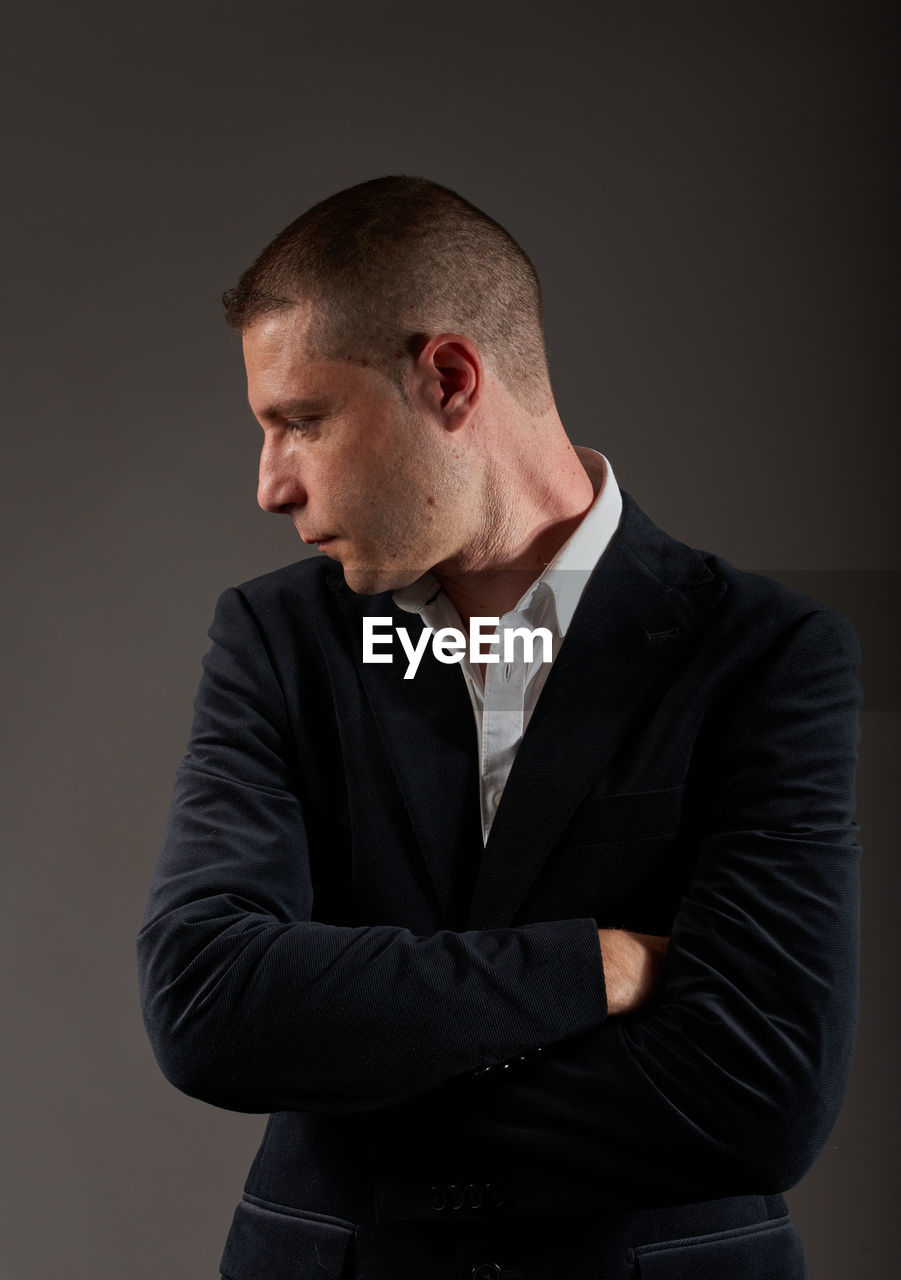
{"points": [[326, 939]]}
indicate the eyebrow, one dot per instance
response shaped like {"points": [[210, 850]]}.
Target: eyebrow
{"points": [[293, 409]]}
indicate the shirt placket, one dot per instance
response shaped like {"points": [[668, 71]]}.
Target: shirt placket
{"points": [[502, 721]]}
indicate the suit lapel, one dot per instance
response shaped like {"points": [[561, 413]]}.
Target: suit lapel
{"points": [[636, 622], [429, 734]]}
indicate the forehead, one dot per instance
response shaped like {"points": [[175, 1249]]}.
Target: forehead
{"points": [[277, 341], [280, 367]]}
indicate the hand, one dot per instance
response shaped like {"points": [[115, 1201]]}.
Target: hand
{"points": [[633, 965]]}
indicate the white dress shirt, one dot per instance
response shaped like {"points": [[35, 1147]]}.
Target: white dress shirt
{"points": [[503, 705]]}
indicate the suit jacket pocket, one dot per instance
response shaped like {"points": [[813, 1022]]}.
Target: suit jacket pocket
{"points": [[622, 859], [641, 815], [274, 1242], [765, 1251]]}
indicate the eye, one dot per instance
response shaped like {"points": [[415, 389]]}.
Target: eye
{"points": [[303, 426]]}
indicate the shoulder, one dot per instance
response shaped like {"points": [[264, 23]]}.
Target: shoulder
{"points": [[302, 613], [304, 583], [763, 607], [294, 594], [753, 611]]}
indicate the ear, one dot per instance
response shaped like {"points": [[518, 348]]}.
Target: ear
{"points": [[450, 375]]}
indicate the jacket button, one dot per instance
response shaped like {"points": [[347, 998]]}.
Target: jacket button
{"points": [[473, 1195], [437, 1199], [494, 1194], [487, 1271]]}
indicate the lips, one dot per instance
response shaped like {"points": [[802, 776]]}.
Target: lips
{"points": [[323, 544]]}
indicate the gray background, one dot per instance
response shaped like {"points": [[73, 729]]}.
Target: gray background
{"points": [[709, 194]]}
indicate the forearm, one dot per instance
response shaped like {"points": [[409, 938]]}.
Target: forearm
{"points": [[258, 1013], [727, 1081]]}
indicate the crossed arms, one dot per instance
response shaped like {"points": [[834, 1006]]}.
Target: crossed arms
{"points": [[728, 1080]]}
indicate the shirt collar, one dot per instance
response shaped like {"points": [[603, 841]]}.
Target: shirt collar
{"points": [[563, 580]]}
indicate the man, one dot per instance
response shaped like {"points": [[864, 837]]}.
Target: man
{"points": [[418, 908]]}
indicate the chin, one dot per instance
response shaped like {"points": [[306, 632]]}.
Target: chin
{"points": [[372, 580]]}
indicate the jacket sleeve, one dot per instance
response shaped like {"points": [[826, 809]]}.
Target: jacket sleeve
{"points": [[732, 1079], [252, 1004]]}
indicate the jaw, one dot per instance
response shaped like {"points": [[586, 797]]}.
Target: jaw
{"points": [[373, 580]]}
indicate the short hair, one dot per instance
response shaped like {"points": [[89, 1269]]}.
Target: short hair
{"points": [[389, 262]]}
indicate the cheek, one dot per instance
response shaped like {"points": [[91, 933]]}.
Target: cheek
{"points": [[339, 484]]}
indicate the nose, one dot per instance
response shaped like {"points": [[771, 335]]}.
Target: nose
{"points": [[280, 487]]}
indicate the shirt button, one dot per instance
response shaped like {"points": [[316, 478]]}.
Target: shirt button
{"points": [[496, 798]]}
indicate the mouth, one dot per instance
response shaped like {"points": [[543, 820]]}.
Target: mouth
{"points": [[320, 542]]}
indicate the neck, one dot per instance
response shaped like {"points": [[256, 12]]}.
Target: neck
{"points": [[522, 536]]}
